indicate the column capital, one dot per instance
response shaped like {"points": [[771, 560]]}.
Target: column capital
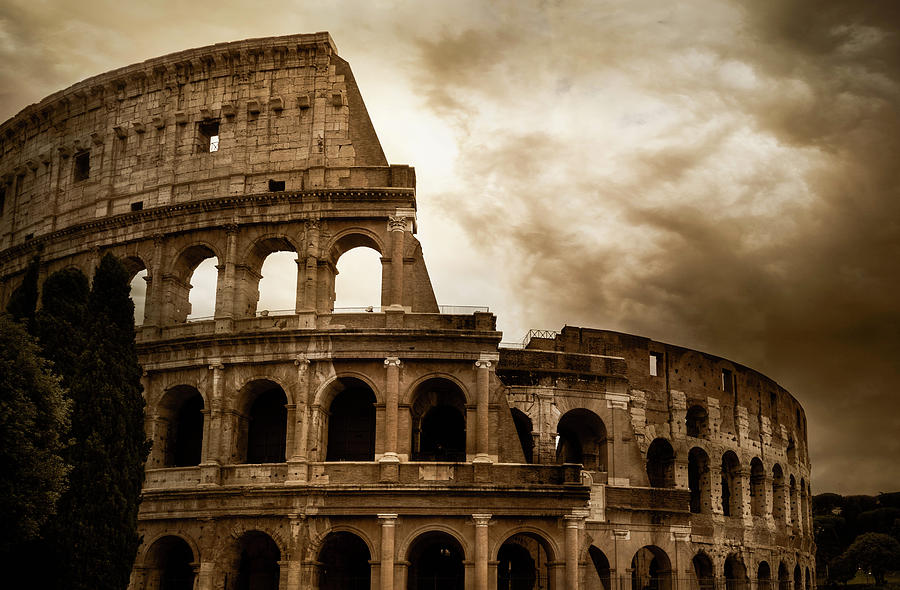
{"points": [[301, 360], [481, 519], [482, 364], [387, 519], [215, 364], [392, 361]]}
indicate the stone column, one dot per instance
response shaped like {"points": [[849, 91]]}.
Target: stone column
{"points": [[481, 550], [309, 268], [619, 441], [153, 301], [396, 228], [298, 463], [226, 285], [482, 408], [204, 576], [573, 522], [391, 405], [213, 450], [388, 523]]}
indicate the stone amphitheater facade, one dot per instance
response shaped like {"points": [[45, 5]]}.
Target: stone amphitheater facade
{"points": [[403, 447]]}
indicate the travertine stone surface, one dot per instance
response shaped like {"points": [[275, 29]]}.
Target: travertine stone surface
{"points": [[320, 449]]}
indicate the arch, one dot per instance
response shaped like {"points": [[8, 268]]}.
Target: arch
{"points": [[582, 439], [524, 429], [187, 259], [778, 494], [344, 559], [795, 522], [351, 422], [179, 427], [438, 421], [337, 383], [763, 576], [704, 572], [784, 577], [433, 557], [262, 423], [757, 487], [353, 237], [791, 450], [651, 569], [808, 579], [661, 464], [169, 560], [178, 283], [804, 506], [278, 294], [731, 484], [523, 562], [137, 279], [601, 566], [735, 573], [798, 578], [252, 561], [699, 481], [359, 279], [697, 421]]}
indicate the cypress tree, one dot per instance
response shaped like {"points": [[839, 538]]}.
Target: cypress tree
{"points": [[23, 300], [60, 323], [97, 541]]}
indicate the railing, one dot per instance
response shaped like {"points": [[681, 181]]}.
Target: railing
{"points": [[444, 309], [205, 318], [548, 334], [263, 313]]}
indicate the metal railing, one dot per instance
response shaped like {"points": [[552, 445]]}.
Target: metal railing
{"points": [[263, 313], [548, 334]]}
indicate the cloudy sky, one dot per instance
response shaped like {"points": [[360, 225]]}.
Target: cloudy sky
{"points": [[717, 174]]}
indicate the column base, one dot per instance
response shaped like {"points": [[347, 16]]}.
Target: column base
{"points": [[390, 468], [483, 467], [210, 475], [298, 472]]}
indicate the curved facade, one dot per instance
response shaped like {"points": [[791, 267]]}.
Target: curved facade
{"points": [[397, 447]]}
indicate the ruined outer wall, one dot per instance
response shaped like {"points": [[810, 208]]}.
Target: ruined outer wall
{"points": [[282, 104]]}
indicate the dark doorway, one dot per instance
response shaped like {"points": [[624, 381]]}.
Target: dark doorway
{"points": [[258, 567], [188, 433], [267, 428], [345, 563], [436, 563], [351, 425]]}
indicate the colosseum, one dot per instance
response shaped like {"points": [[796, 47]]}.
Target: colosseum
{"points": [[401, 446]]}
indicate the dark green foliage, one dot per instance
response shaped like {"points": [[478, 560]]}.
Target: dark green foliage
{"points": [[891, 500], [874, 553], [841, 570], [826, 503], [831, 533], [34, 417], [880, 520], [23, 300], [60, 324], [96, 543]]}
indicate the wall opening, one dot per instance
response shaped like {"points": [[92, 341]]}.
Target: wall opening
{"points": [[699, 481], [582, 439], [82, 166], [778, 494], [351, 423], [357, 285], [278, 285], [661, 464], [524, 432], [523, 562], [344, 560], [436, 561], [784, 578], [731, 484], [757, 488], [171, 559], [179, 429], [651, 569], [656, 363], [262, 425], [202, 294], [763, 576], [257, 567], [138, 271], [795, 521], [697, 422], [601, 566], [438, 415], [208, 137], [735, 574], [704, 572]]}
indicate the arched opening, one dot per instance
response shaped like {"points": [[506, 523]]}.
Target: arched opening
{"points": [[582, 439], [438, 414], [704, 572], [523, 563], [262, 425], [798, 578], [351, 423], [524, 430], [357, 283], [601, 566], [661, 464], [763, 576], [795, 521], [757, 488], [735, 574], [278, 284], [169, 560], [697, 422], [137, 270], [731, 484], [804, 507], [436, 562], [698, 481], [651, 569], [808, 580], [791, 451], [344, 560], [179, 428], [192, 286], [784, 577], [257, 567], [778, 494]]}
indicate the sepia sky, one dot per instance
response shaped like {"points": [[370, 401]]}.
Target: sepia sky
{"points": [[717, 174]]}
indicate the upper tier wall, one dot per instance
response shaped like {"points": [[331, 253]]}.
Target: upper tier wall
{"points": [[284, 109]]}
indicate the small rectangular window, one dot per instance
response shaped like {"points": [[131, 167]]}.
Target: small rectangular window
{"points": [[276, 186], [29, 237], [727, 381], [82, 166], [208, 140], [656, 359], [137, 206]]}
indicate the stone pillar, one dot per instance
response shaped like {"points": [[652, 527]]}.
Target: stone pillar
{"points": [[619, 440], [573, 522], [388, 523], [153, 301], [482, 408], [481, 550], [309, 268], [396, 228], [298, 462], [204, 576], [226, 285], [213, 450], [390, 460]]}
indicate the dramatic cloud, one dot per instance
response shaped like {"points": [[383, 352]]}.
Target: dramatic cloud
{"points": [[717, 174]]}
